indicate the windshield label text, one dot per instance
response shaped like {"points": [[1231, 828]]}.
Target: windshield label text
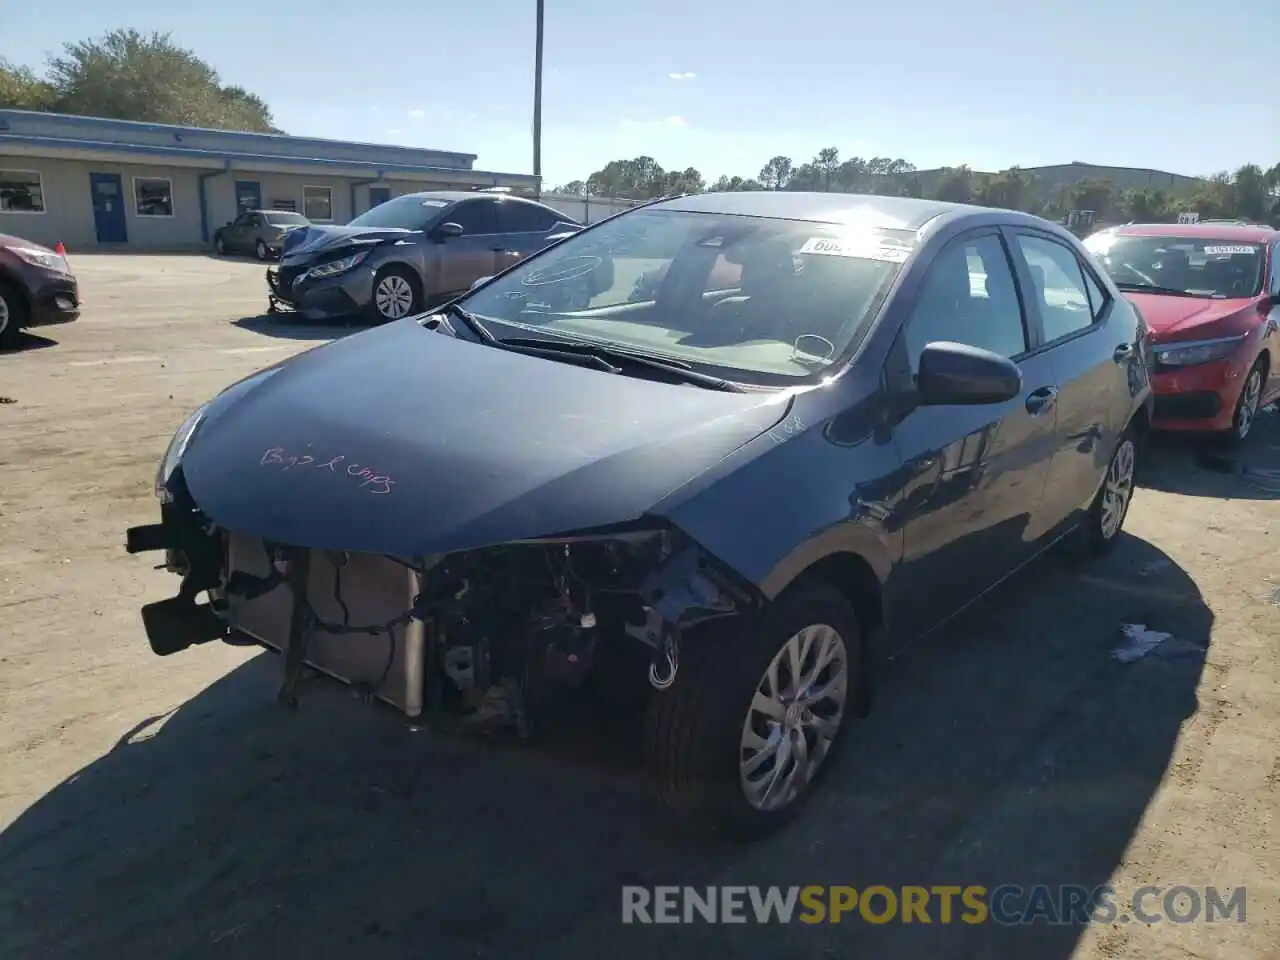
{"points": [[1227, 250], [869, 249]]}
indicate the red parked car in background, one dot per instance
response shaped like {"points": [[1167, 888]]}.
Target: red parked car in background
{"points": [[1210, 296]]}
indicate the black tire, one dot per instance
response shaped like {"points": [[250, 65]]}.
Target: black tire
{"points": [[1098, 534], [260, 248], [13, 315], [219, 245], [694, 729], [389, 275], [1251, 393]]}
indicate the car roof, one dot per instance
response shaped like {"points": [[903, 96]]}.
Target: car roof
{"points": [[454, 196], [1251, 233], [895, 213]]}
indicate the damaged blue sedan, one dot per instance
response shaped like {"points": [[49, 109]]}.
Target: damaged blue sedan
{"points": [[724, 444]]}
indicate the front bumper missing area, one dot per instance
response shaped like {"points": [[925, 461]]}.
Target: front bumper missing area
{"points": [[276, 603]]}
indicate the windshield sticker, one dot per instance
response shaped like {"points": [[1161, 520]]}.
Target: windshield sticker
{"points": [[878, 248], [435, 203], [1227, 250]]}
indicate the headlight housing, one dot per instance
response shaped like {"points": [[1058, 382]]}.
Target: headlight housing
{"points": [[173, 453], [42, 258], [335, 267], [1190, 354]]}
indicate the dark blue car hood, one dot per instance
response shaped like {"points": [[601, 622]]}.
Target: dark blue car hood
{"points": [[409, 442]]}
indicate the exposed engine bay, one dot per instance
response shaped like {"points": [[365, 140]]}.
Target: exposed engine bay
{"points": [[484, 636]]}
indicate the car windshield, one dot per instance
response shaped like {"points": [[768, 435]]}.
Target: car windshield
{"points": [[1193, 266], [406, 213], [751, 299], [286, 219]]}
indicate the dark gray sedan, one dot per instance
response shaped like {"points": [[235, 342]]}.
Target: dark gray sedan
{"points": [[260, 232], [836, 420], [410, 253]]}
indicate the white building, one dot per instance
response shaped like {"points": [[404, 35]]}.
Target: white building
{"points": [[89, 182]]}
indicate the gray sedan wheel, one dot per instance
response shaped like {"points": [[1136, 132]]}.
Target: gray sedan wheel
{"points": [[396, 294], [12, 310], [261, 250]]}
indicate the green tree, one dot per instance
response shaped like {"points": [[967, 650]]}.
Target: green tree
{"points": [[21, 89], [128, 75], [955, 185], [1010, 189], [775, 174], [1148, 206], [1095, 195], [574, 188]]}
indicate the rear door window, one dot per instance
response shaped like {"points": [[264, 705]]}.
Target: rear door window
{"points": [[1060, 289]]}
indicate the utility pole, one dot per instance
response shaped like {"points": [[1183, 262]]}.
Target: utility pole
{"points": [[537, 102]]}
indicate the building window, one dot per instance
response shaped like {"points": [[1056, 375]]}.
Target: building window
{"points": [[21, 191], [153, 196], [317, 203]]}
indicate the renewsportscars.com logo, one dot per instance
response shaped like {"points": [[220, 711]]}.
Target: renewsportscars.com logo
{"points": [[1008, 904]]}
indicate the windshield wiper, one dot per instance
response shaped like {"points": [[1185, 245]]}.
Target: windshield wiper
{"points": [[677, 368], [473, 323], [1152, 288]]}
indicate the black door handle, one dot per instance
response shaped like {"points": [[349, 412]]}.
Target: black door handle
{"points": [[1122, 353], [1038, 401]]}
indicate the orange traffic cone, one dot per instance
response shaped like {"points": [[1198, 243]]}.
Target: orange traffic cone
{"points": [[60, 249]]}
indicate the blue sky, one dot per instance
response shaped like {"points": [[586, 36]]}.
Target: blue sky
{"points": [[723, 85]]}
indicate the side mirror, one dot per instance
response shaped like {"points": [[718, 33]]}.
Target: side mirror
{"points": [[448, 230], [958, 374], [480, 280]]}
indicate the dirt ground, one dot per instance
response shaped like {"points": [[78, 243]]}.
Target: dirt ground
{"points": [[168, 808]]}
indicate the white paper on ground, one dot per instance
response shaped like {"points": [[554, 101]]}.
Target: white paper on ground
{"points": [[1139, 641]]}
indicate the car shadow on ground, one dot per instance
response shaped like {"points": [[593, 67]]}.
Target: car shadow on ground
{"points": [[1012, 747], [27, 342], [1200, 467], [288, 326]]}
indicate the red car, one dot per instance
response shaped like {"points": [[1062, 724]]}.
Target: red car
{"points": [[1210, 296]]}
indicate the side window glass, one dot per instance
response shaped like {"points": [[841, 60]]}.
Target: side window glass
{"points": [[1097, 296], [968, 296], [1275, 270], [1058, 286], [518, 218], [474, 216]]}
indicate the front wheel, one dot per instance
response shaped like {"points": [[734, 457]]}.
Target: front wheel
{"points": [[757, 710], [220, 246], [1247, 406], [397, 293], [1101, 528], [12, 316]]}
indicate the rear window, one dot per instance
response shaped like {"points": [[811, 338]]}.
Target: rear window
{"points": [[1191, 266], [286, 219]]}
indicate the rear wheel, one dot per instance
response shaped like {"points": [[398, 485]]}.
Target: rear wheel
{"points": [[260, 248], [756, 713], [397, 293], [1102, 526], [13, 312]]}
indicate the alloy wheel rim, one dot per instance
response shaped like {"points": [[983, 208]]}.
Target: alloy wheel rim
{"points": [[394, 297], [262, 250], [794, 717], [1249, 403], [1118, 490], [4, 314]]}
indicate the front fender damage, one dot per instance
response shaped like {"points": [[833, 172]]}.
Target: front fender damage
{"points": [[479, 636]]}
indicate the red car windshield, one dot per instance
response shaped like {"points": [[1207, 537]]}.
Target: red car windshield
{"points": [[1183, 266]]}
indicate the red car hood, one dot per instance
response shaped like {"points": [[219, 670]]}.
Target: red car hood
{"points": [[1181, 318]]}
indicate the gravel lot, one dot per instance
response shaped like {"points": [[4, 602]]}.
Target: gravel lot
{"points": [[167, 808]]}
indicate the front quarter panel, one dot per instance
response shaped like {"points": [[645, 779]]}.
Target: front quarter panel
{"points": [[821, 482]]}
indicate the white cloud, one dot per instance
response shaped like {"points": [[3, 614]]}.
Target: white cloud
{"points": [[417, 114], [661, 122], [394, 132], [686, 75]]}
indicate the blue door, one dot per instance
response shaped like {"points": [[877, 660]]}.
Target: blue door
{"points": [[108, 207], [378, 195], [248, 195]]}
